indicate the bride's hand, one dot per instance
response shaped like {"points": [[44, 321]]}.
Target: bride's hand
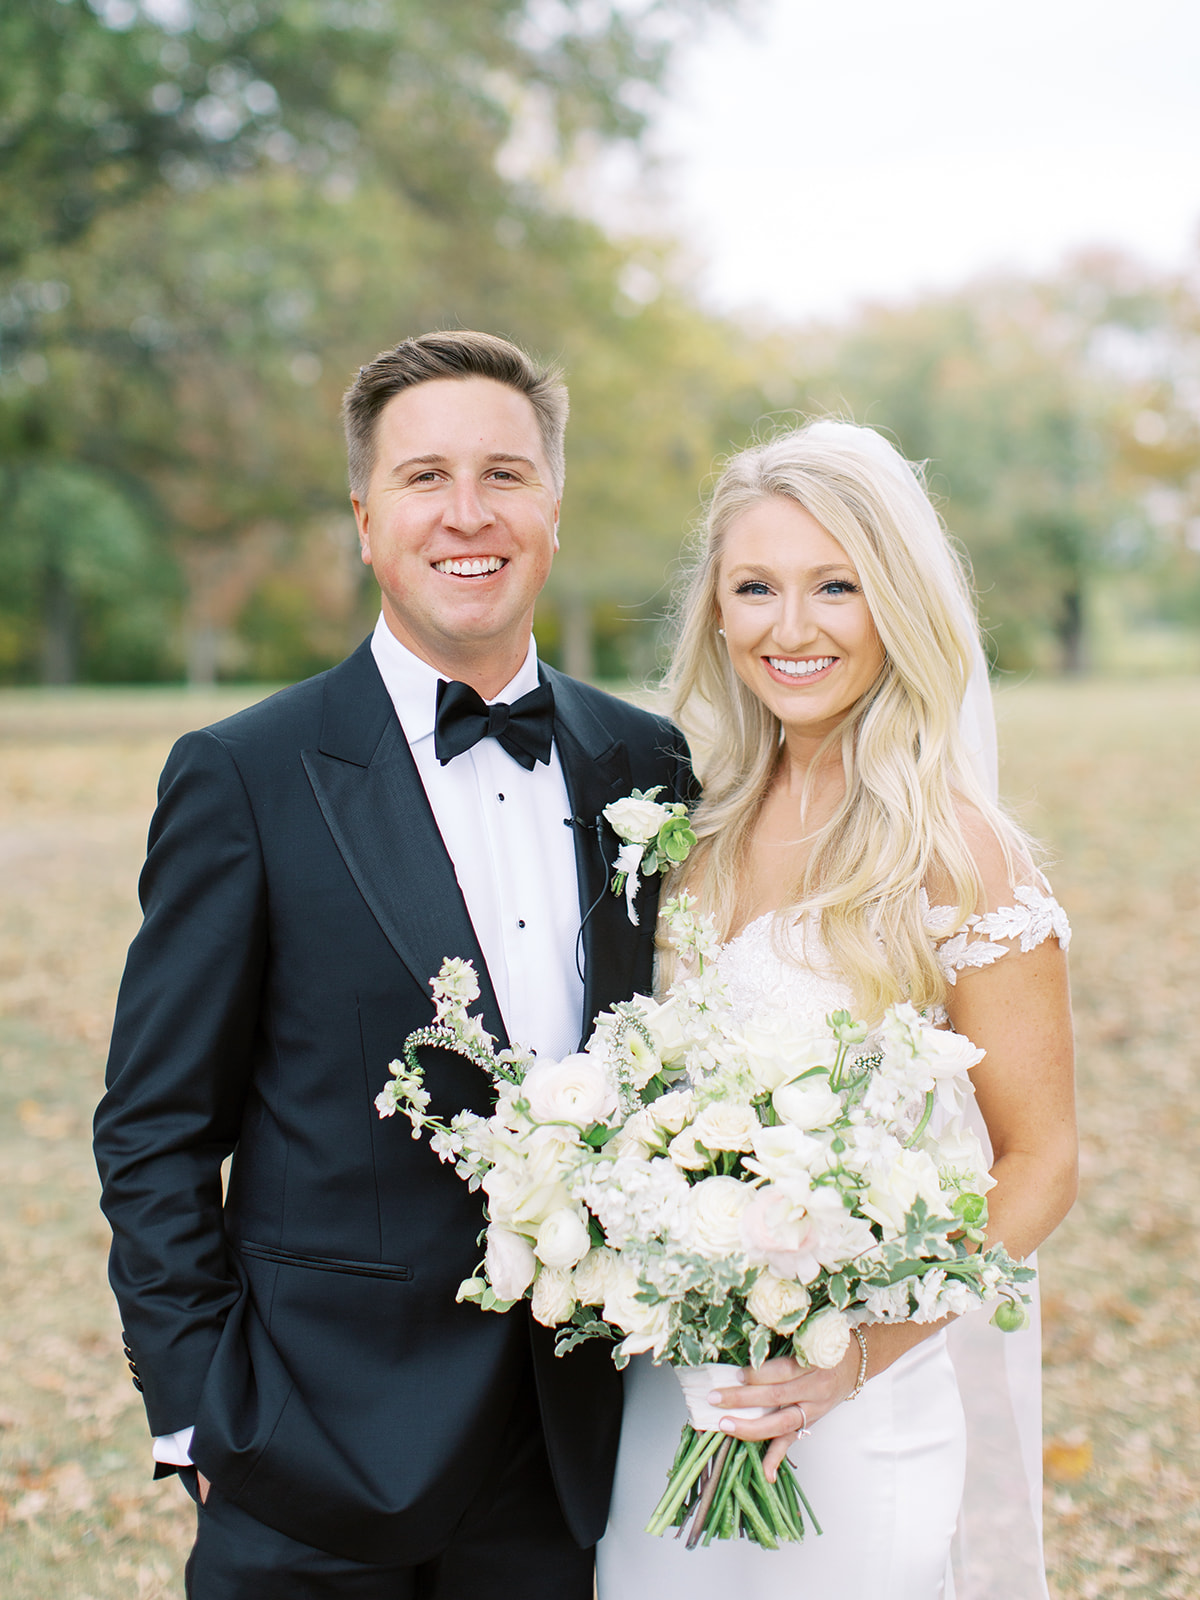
{"points": [[800, 1396]]}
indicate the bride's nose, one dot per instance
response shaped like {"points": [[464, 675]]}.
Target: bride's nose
{"points": [[795, 627]]}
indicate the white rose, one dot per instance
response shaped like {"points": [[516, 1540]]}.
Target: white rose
{"points": [[576, 1090], [716, 1206], [780, 1231], [666, 1029], [823, 1341], [784, 1153], [553, 1298], [636, 821], [684, 1153], [726, 1125], [647, 1327], [509, 1262], [776, 1051], [894, 1188], [810, 1103], [773, 1299], [593, 1276], [562, 1239], [671, 1112]]}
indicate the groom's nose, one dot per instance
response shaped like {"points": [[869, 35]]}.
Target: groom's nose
{"points": [[466, 509]]}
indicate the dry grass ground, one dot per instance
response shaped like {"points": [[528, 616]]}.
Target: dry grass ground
{"points": [[1108, 774]]}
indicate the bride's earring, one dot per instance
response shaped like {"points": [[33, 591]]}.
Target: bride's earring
{"points": [[721, 631]]}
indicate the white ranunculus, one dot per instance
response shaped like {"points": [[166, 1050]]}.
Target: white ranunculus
{"points": [[575, 1090], [562, 1239], [823, 1341], [509, 1262], [553, 1298], [726, 1125], [809, 1103], [716, 1206], [593, 1276], [773, 1299], [776, 1050], [637, 821]]}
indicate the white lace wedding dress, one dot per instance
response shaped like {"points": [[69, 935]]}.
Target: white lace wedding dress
{"points": [[920, 1495]]}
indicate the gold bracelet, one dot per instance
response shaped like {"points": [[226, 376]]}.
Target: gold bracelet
{"points": [[862, 1365]]}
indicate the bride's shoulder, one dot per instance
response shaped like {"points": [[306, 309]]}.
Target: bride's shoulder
{"points": [[1016, 909]]}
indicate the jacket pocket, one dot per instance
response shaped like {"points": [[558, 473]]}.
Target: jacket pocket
{"points": [[354, 1269]]}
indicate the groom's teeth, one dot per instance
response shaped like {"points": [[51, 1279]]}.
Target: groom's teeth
{"points": [[800, 669], [470, 569]]}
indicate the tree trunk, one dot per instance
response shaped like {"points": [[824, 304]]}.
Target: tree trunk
{"points": [[578, 638], [1070, 632], [60, 644]]}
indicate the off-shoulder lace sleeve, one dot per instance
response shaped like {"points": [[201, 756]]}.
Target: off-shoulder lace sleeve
{"points": [[1036, 917]]}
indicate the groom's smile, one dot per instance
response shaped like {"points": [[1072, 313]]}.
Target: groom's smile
{"points": [[459, 524]]}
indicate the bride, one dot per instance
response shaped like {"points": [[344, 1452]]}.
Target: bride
{"points": [[852, 855]]}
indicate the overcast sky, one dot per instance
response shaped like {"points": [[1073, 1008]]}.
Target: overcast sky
{"points": [[843, 150]]}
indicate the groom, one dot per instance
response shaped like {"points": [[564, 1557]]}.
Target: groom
{"points": [[345, 1425]]}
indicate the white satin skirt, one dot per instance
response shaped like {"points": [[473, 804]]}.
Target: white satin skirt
{"points": [[883, 1474]]}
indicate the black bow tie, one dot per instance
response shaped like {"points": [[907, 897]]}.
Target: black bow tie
{"points": [[525, 729]]}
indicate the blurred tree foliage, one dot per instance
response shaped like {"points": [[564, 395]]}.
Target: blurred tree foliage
{"points": [[212, 211], [1061, 423]]}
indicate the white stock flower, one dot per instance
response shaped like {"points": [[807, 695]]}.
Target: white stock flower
{"points": [[562, 1239], [553, 1298], [634, 1199], [726, 1125], [636, 821], [773, 1299], [455, 985], [717, 1205], [593, 1275], [823, 1341], [809, 1103], [509, 1262], [889, 1303], [575, 1090], [527, 1181]]}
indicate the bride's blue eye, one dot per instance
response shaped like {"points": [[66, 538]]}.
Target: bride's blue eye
{"points": [[752, 586], [837, 586]]}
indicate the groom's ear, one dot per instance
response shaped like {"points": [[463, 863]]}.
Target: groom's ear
{"points": [[362, 522]]}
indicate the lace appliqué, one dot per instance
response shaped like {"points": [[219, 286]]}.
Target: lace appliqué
{"points": [[1036, 917]]}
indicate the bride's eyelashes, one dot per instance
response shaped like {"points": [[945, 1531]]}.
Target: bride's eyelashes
{"points": [[834, 587]]}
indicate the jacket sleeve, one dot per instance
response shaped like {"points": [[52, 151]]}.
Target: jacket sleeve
{"points": [[186, 1024]]}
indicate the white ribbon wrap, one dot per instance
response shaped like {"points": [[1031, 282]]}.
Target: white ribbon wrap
{"points": [[698, 1383], [629, 861]]}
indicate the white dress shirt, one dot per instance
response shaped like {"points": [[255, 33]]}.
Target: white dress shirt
{"points": [[508, 833]]}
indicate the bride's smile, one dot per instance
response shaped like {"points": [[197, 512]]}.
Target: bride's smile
{"points": [[797, 626]]}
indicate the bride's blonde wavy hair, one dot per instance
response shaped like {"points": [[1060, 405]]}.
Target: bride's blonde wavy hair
{"points": [[898, 826]]}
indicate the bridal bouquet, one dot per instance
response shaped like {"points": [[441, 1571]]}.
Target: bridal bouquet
{"points": [[719, 1193]]}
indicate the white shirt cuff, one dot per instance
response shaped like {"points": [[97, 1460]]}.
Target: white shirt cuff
{"points": [[174, 1449]]}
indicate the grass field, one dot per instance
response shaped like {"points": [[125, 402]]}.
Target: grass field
{"points": [[1108, 774]]}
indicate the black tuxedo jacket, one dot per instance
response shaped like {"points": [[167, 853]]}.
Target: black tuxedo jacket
{"points": [[297, 900]]}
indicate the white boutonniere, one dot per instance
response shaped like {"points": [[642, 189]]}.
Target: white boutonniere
{"points": [[654, 837]]}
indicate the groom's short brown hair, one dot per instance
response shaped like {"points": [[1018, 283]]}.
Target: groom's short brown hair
{"points": [[455, 354]]}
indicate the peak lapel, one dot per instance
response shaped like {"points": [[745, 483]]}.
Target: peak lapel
{"points": [[374, 804]]}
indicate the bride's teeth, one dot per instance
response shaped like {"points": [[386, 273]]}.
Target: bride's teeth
{"points": [[474, 568], [801, 669]]}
